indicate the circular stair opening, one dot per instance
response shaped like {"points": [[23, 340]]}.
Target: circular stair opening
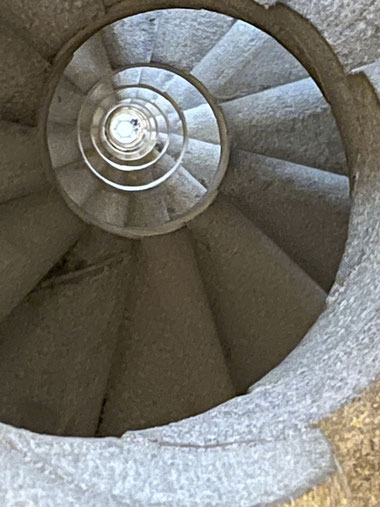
{"points": [[133, 138], [207, 204]]}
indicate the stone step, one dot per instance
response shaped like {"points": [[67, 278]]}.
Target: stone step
{"points": [[305, 211], [23, 73], [21, 171], [168, 364], [48, 25], [262, 301], [35, 232], [131, 40]]}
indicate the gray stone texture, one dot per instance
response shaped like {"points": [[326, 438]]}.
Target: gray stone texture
{"points": [[63, 144], [292, 122], [304, 211], [245, 61], [147, 209], [56, 349], [136, 471], [89, 64], [21, 170], [200, 159], [77, 182], [185, 36], [201, 124], [338, 358], [66, 103], [94, 248], [183, 193], [169, 332], [263, 302], [35, 231], [351, 28], [22, 76], [108, 206], [131, 40], [48, 24]]}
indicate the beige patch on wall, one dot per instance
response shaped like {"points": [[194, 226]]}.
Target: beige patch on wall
{"points": [[333, 493], [354, 434]]}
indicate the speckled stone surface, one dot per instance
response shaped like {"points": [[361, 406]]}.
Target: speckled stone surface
{"points": [[305, 211], [55, 368], [134, 471], [66, 103], [351, 28], [292, 122], [257, 327], [230, 69], [48, 24], [185, 36], [21, 170], [187, 371], [23, 73], [35, 231], [131, 40], [63, 144], [89, 64]]}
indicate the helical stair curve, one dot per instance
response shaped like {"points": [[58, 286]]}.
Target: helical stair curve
{"points": [[175, 201]]}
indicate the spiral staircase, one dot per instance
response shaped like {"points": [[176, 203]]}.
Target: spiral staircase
{"points": [[176, 193]]}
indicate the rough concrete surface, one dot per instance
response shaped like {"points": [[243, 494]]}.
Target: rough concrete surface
{"points": [[137, 472], [66, 103], [35, 231], [263, 302], [21, 170], [169, 332], [89, 64], [131, 40], [63, 144], [77, 182], [305, 211], [55, 368], [245, 61], [185, 36], [23, 73], [351, 28], [48, 24], [291, 122]]}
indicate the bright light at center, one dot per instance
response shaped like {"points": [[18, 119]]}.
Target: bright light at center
{"points": [[125, 128]]}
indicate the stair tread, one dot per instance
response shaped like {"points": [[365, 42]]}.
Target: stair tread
{"points": [[55, 368], [198, 157], [35, 231], [169, 332], [63, 144], [50, 23], [78, 182], [262, 301], [291, 122], [229, 70], [23, 73], [89, 64], [131, 40], [66, 103], [184, 36], [21, 170], [304, 210]]}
